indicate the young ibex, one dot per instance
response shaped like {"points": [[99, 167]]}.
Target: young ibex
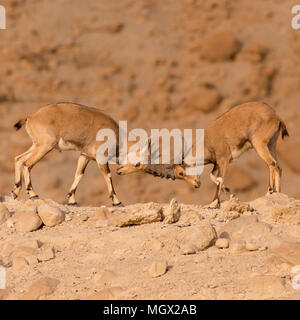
{"points": [[250, 125], [64, 126]]}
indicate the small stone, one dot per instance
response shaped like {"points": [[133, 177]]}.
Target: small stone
{"points": [[154, 245], [172, 212], [158, 269], [222, 243], [237, 246], [219, 46], [250, 246], [148, 213], [50, 215], [46, 254], [187, 249], [205, 236]]}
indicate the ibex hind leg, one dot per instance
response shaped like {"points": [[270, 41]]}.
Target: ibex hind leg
{"points": [[19, 161], [263, 151], [38, 153], [277, 169]]}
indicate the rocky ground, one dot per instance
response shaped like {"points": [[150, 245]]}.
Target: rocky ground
{"points": [[151, 250]]}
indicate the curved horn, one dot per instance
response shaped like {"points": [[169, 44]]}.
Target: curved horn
{"points": [[163, 171]]}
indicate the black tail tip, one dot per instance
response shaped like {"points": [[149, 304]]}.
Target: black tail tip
{"points": [[19, 125]]}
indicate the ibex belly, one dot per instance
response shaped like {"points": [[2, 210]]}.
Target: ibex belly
{"points": [[238, 151], [66, 145]]}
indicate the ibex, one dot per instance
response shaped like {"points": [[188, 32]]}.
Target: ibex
{"points": [[64, 126], [250, 125]]}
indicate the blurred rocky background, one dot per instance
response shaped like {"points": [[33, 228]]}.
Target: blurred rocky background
{"points": [[170, 63]]}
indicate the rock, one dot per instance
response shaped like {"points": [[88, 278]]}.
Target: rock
{"points": [[41, 288], [27, 220], [288, 251], [99, 218], [172, 212], [222, 243], [187, 249], [158, 269], [280, 214], [246, 228], [107, 294], [205, 100], [219, 46], [234, 204], [205, 236], [266, 286], [46, 253], [225, 216], [251, 246], [20, 264], [51, 216], [148, 213], [154, 245], [253, 52], [4, 213], [200, 236], [264, 205], [237, 246]]}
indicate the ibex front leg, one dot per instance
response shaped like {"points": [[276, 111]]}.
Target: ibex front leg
{"points": [[217, 176], [81, 166], [107, 176]]}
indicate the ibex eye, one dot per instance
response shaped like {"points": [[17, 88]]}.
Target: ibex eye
{"points": [[137, 164]]}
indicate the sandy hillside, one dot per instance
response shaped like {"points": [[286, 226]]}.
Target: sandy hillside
{"points": [[174, 64], [151, 251]]}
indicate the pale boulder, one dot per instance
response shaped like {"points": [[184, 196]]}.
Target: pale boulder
{"points": [[27, 220], [50, 215]]}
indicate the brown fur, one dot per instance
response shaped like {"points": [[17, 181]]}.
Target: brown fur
{"points": [[64, 126]]}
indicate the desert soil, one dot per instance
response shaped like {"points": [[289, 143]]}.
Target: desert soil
{"points": [[152, 251]]}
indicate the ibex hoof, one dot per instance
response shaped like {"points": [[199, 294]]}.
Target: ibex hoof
{"points": [[13, 195], [74, 204], [214, 205], [120, 204], [34, 197]]}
